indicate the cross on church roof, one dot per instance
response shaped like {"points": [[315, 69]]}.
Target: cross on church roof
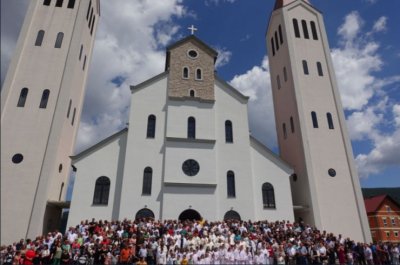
{"points": [[192, 29]]}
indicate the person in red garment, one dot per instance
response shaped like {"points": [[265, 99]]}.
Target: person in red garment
{"points": [[29, 255]]}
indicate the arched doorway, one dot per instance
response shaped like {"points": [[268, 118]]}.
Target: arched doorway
{"points": [[232, 215], [189, 214], [144, 214]]}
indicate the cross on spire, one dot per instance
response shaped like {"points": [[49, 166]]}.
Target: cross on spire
{"points": [[192, 29]]}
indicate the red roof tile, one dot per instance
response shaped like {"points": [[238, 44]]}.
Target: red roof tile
{"points": [[372, 204]]}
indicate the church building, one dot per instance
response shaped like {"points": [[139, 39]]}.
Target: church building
{"points": [[186, 153]]}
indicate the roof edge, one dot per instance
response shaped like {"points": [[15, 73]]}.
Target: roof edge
{"points": [[274, 156], [84, 153], [236, 91], [148, 81]]}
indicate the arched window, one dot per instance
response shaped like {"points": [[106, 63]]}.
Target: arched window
{"points": [[91, 16], [191, 93], [278, 81], [69, 108], [151, 126], [280, 34], [314, 119], [276, 41], [71, 4], [228, 132], [191, 128], [39, 38], [101, 191], [59, 3], [330, 120], [61, 190], [73, 117], [291, 124], [230, 180], [284, 74], [232, 215], [199, 75], [314, 31], [305, 67], [305, 29], [88, 11], [144, 214], [92, 26], [268, 195], [296, 28], [22, 97], [147, 179], [80, 52], [46, 2], [273, 46], [319, 67], [59, 40], [185, 73], [284, 130], [45, 99]]}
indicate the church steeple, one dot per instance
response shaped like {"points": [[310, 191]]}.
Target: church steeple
{"points": [[310, 123], [281, 3]]}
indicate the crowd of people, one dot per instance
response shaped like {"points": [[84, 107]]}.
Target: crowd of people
{"points": [[195, 242]]}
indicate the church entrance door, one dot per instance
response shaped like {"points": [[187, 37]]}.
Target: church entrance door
{"points": [[189, 214]]}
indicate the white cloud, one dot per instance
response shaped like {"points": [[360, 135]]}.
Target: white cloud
{"points": [[256, 84], [396, 114], [362, 123], [224, 57], [351, 26], [357, 62], [380, 24]]}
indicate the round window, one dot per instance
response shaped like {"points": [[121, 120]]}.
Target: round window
{"points": [[332, 172], [17, 158], [193, 54], [190, 167]]}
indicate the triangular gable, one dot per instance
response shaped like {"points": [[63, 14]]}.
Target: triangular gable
{"points": [[97, 146], [199, 43], [271, 155]]}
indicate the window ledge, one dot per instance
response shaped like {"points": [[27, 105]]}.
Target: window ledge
{"points": [[190, 140]]}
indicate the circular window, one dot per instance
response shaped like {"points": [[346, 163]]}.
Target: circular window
{"points": [[190, 167], [193, 54], [60, 168], [332, 172], [17, 158]]}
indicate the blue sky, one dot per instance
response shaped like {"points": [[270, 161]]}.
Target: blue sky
{"points": [[130, 48]]}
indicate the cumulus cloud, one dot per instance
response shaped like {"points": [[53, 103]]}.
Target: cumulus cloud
{"points": [[255, 83], [357, 62]]}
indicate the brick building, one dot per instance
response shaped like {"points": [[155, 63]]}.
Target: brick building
{"points": [[384, 218]]}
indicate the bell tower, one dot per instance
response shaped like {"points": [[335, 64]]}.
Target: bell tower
{"points": [[310, 122], [41, 103]]}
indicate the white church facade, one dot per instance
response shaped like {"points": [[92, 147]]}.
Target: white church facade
{"points": [[186, 153]]}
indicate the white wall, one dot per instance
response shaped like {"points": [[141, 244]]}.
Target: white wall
{"points": [[105, 161]]}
